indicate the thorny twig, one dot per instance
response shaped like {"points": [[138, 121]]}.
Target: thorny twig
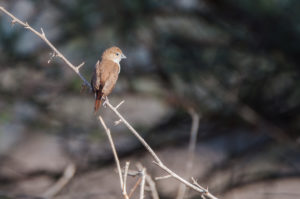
{"points": [[157, 161]]}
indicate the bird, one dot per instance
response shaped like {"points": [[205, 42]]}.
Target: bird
{"points": [[106, 74]]}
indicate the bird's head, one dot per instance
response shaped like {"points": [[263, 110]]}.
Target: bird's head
{"points": [[114, 54]]}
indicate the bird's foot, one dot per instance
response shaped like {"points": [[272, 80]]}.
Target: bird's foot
{"points": [[105, 101]]}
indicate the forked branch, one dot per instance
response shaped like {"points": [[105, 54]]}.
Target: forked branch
{"points": [[157, 160]]}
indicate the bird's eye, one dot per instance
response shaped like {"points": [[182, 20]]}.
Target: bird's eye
{"points": [[117, 54]]}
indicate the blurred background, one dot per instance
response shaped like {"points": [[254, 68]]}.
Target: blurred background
{"points": [[234, 62]]}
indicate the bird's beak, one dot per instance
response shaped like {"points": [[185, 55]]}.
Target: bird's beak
{"points": [[123, 56]]}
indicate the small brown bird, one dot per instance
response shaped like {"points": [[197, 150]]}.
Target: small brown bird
{"points": [[106, 74]]}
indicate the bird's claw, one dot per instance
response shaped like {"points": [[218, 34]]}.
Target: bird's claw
{"points": [[105, 102]]}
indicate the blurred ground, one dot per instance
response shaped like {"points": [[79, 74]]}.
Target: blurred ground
{"points": [[234, 62]]}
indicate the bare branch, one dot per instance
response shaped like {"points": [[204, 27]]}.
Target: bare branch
{"points": [[198, 185], [142, 194], [120, 104], [146, 145], [163, 177], [43, 32], [117, 122], [132, 173], [192, 186], [80, 65], [44, 38], [125, 178], [151, 183], [61, 183], [134, 187], [114, 152]]}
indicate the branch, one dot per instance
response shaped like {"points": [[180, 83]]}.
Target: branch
{"points": [[134, 187], [152, 185], [116, 158], [44, 38], [150, 182], [135, 133], [158, 162], [142, 195], [125, 179], [163, 177]]}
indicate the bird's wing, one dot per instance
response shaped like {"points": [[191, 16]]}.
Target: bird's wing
{"points": [[96, 77], [109, 76]]}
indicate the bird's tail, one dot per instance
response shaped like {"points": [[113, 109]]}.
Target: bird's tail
{"points": [[98, 101]]}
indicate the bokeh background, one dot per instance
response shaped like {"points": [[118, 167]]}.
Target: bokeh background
{"points": [[235, 62]]}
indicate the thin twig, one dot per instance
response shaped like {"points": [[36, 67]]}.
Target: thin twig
{"points": [[76, 70], [146, 145], [44, 38], [134, 187], [196, 183], [152, 185], [191, 151], [114, 153], [120, 104], [132, 173], [80, 65], [150, 182], [125, 178], [61, 183], [142, 191], [163, 177], [117, 122]]}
